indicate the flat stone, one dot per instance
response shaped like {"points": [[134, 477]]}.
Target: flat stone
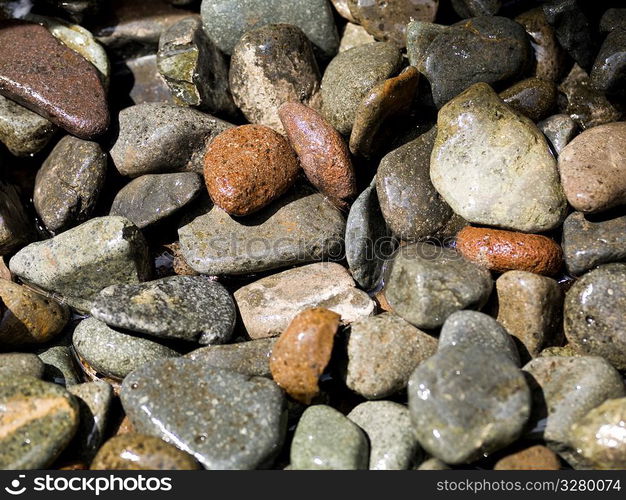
{"points": [[470, 8], [113, 353], [535, 457], [22, 131], [20, 364], [68, 92], [609, 67], [383, 352], [268, 305], [425, 284], [300, 227], [69, 183], [15, 228], [467, 402], [513, 185], [59, 365], [192, 308], [327, 440], [150, 198], [226, 420], [80, 262], [589, 241], [559, 130], [393, 445], [533, 97], [38, 421], [353, 36]]}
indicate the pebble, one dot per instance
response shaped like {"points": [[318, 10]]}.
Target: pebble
{"points": [[114, 353], [151, 198], [247, 167], [393, 445], [270, 66], [59, 365], [609, 67], [22, 131], [15, 228], [302, 352], [419, 36], [5, 274], [322, 152], [224, 419], [300, 227], [383, 352], [37, 422], [327, 440], [68, 93], [140, 78], [469, 8], [77, 10], [135, 451], [353, 36], [342, 8], [467, 402], [69, 183], [589, 241], [19, 364], [592, 168], [350, 76], [530, 307], [559, 130], [533, 98], [268, 305], [503, 251], [518, 187], [425, 284], [433, 464], [536, 457], [159, 137], [612, 19]]}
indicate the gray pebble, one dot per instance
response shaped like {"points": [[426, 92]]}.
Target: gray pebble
{"points": [[23, 131], [251, 357], [59, 365], [17, 364], [559, 130]]}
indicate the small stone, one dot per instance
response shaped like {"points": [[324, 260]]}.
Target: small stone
{"points": [[559, 130], [37, 422], [59, 365], [535, 457], [383, 352], [566, 350], [302, 352], [533, 98], [612, 19], [326, 440], [609, 67], [141, 452], [69, 182], [470, 8], [226, 420], [342, 8], [419, 36], [77, 10], [502, 251], [433, 464], [150, 198], [22, 131], [393, 445], [5, 274], [353, 36], [425, 284], [140, 79], [20, 364], [467, 402], [268, 305], [15, 228], [593, 168]]}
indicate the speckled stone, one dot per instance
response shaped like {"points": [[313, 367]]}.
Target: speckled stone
{"points": [[559, 130], [150, 198], [353, 36], [466, 401], [226, 420], [141, 452], [566, 350], [419, 36], [80, 262], [69, 182], [499, 172], [15, 228], [383, 352], [609, 67], [68, 93], [37, 422], [533, 97], [59, 365], [535, 457], [192, 308], [22, 131], [327, 440], [115, 353], [268, 305], [425, 284], [611, 19], [18, 364], [349, 78]]}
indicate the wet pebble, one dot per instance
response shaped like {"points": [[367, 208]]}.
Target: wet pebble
{"points": [[23, 131], [15, 228], [533, 97], [559, 130], [59, 365], [18, 364], [609, 67], [535, 457]]}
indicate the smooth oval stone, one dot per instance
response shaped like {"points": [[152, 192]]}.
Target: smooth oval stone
{"points": [[533, 97], [59, 365], [327, 440], [593, 168], [69, 182], [114, 353], [477, 329], [150, 198], [350, 76], [192, 308], [272, 65], [393, 445], [383, 352], [15, 228], [535, 457], [80, 262], [353, 36], [159, 137], [44, 75], [466, 401], [268, 305], [225, 21], [19, 364], [251, 357], [299, 228], [511, 183], [589, 241], [425, 284], [23, 131], [224, 419], [595, 314], [559, 130], [37, 422]]}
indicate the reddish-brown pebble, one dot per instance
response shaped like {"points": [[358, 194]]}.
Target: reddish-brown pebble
{"points": [[247, 167], [323, 153], [502, 251], [534, 458], [303, 351]]}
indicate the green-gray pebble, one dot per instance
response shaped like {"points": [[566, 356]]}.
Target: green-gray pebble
{"points": [[59, 365], [17, 364], [23, 131], [251, 357], [559, 130]]}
